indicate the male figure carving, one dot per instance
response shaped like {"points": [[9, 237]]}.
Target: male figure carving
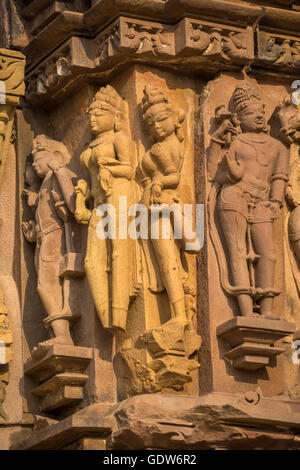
{"points": [[250, 169], [53, 205]]}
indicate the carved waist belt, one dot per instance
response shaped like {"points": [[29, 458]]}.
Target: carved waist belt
{"points": [[255, 190], [48, 229]]}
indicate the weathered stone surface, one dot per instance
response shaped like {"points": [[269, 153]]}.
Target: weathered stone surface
{"points": [[210, 422], [164, 102]]}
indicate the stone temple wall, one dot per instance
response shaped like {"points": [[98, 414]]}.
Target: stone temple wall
{"points": [[150, 230]]}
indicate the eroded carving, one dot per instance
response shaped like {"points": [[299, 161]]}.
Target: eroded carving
{"points": [[5, 352], [12, 66], [127, 40], [108, 44], [145, 38], [52, 205], [215, 42], [249, 170], [48, 77], [279, 51], [172, 357]]}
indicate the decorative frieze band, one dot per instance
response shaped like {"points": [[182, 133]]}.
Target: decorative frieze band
{"points": [[278, 51], [128, 40]]}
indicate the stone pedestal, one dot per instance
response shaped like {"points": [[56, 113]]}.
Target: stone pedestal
{"points": [[61, 373], [252, 340]]}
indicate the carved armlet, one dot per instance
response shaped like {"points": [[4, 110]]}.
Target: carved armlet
{"points": [[280, 176]]}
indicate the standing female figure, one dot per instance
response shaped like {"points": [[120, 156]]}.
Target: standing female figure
{"points": [[110, 161], [159, 173]]}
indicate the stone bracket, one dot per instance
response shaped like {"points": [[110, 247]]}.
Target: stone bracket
{"points": [[252, 340], [60, 370]]}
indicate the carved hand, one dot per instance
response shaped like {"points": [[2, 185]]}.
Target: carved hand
{"points": [[105, 178], [290, 196], [221, 133], [29, 232], [236, 170], [156, 194]]}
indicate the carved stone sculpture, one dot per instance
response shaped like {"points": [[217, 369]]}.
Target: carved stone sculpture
{"points": [[289, 117], [290, 121], [53, 206], [110, 161], [159, 173], [249, 169], [12, 87]]}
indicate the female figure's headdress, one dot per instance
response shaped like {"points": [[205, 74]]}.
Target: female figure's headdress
{"points": [[109, 100], [154, 96]]}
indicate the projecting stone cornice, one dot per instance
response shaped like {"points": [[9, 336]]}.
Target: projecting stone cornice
{"points": [[52, 25]]}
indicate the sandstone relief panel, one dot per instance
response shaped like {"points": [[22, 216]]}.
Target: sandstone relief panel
{"points": [[248, 167], [110, 160], [55, 258], [12, 65], [122, 259]]}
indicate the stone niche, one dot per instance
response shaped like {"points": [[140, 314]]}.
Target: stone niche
{"points": [[163, 342]]}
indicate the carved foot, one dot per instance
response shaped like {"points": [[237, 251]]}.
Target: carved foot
{"points": [[39, 351], [252, 315], [269, 316], [59, 340], [181, 320]]}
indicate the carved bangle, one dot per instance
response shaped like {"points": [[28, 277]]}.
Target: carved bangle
{"points": [[58, 168], [280, 176], [278, 202], [157, 184]]}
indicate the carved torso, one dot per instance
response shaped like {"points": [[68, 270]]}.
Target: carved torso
{"points": [[163, 159], [258, 154], [47, 218], [101, 154]]}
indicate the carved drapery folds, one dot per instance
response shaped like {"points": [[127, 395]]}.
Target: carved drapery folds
{"points": [[110, 161]]}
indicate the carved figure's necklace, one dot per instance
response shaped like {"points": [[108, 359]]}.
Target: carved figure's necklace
{"points": [[261, 153]]}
